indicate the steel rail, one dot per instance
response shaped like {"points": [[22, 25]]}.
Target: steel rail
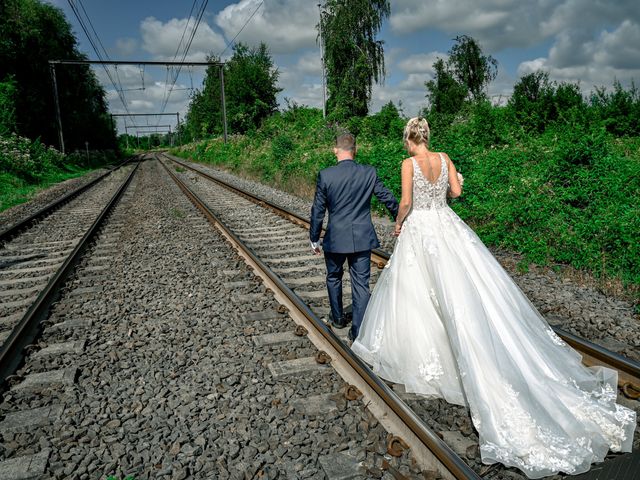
{"points": [[11, 231], [26, 330], [593, 354], [378, 256], [454, 464]]}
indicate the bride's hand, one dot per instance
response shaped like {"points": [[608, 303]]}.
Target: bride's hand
{"points": [[460, 179], [397, 229]]}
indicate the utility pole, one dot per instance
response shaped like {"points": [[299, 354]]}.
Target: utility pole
{"points": [[224, 104], [178, 127], [52, 69], [324, 88]]}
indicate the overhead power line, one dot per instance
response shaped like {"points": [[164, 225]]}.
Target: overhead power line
{"points": [[186, 51], [175, 55], [93, 42]]}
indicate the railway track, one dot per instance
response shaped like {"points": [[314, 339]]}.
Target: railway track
{"points": [[64, 415], [38, 254], [274, 241]]}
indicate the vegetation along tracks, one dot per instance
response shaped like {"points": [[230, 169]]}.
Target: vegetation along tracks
{"points": [[283, 247]]}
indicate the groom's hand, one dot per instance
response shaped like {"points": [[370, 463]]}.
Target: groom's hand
{"points": [[397, 230], [315, 247]]}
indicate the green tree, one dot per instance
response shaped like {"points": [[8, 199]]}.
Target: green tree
{"points": [[537, 102], [619, 108], [386, 123], [7, 106], [354, 59], [250, 91], [31, 34], [446, 95], [471, 67], [204, 115], [532, 100], [250, 87]]}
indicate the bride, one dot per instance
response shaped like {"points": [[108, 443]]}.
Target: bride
{"points": [[447, 321]]}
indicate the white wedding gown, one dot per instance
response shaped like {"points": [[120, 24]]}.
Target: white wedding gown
{"points": [[447, 321]]}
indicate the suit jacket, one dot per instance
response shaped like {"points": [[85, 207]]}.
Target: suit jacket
{"points": [[345, 191]]}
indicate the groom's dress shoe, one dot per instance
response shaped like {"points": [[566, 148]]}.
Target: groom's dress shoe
{"points": [[341, 324], [351, 336]]}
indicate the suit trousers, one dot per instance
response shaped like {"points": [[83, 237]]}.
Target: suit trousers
{"points": [[360, 272]]}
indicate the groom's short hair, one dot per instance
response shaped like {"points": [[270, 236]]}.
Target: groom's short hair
{"points": [[346, 141]]}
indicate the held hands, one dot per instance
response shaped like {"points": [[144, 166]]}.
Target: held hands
{"points": [[315, 248], [397, 229]]}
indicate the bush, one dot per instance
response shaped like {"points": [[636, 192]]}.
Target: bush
{"points": [[26, 159], [618, 110], [537, 103]]}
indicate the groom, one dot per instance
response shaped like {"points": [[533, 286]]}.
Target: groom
{"points": [[345, 190]]}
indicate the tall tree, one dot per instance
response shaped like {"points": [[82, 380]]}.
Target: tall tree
{"points": [[7, 106], [354, 58], [250, 85], [446, 95], [204, 115], [31, 34], [250, 91], [470, 66]]}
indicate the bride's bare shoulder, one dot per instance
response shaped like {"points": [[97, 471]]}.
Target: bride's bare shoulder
{"points": [[445, 156]]}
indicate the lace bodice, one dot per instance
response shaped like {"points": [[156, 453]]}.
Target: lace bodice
{"points": [[427, 195]]}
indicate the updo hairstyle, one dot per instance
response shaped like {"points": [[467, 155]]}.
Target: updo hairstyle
{"points": [[417, 130]]}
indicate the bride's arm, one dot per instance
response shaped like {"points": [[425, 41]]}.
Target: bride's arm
{"points": [[407, 193], [455, 188]]}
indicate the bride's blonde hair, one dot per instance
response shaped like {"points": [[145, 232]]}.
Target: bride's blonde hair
{"points": [[417, 130]]}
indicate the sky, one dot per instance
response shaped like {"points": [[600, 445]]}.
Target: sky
{"points": [[593, 42]]}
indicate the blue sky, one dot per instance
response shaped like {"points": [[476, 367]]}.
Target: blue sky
{"points": [[588, 41]]}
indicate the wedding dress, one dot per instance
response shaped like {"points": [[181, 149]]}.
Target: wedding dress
{"points": [[446, 320]]}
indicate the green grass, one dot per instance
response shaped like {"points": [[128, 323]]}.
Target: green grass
{"points": [[27, 167], [15, 190]]}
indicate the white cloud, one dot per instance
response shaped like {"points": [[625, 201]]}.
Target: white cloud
{"points": [[284, 25], [494, 23], [309, 63], [592, 62], [409, 93], [592, 42], [499, 24], [126, 46], [295, 88], [141, 104], [162, 39], [421, 63]]}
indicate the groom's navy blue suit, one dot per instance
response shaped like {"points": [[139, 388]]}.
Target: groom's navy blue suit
{"points": [[345, 190]]}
